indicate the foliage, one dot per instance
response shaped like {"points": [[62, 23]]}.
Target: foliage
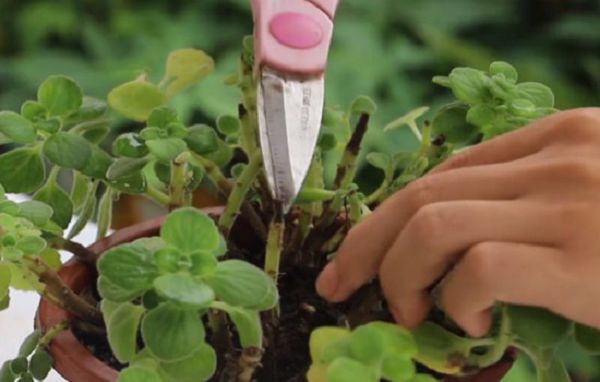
{"points": [[161, 294]]}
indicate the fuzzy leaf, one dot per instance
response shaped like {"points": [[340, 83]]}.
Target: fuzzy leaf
{"points": [[588, 338], [16, 128], [60, 202], [129, 267], [507, 70], [122, 327], [30, 343], [540, 95], [25, 162], [123, 168], [248, 324], [129, 145], [184, 291], [451, 122], [138, 374], [5, 276], [199, 367], [469, 85], [60, 95], [98, 164], [348, 370], [136, 100], [184, 67], [190, 230], [68, 150], [40, 364], [165, 150], [36, 212], [538, 327], [172, 334], [241, 284]]}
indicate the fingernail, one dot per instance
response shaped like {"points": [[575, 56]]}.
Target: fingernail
{"points": [[327, 283]]}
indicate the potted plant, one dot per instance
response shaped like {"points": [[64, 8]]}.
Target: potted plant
{"points": [[227, 294]]}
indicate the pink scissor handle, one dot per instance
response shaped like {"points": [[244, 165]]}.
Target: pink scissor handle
{"points": [[293, 36]]}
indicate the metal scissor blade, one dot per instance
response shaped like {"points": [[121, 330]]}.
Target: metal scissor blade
{"points": [[290, 110]]}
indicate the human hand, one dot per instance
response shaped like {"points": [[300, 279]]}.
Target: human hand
{"points": [[515, 219]]}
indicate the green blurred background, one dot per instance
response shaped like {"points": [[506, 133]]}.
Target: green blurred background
{"points": [[386, 49]]}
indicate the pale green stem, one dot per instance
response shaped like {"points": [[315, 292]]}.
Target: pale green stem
{"points": [[274, 247], [502, 342], [158, 196], [51, 333], [214, 173], [415, 130], [238, 194], [180, 196]]}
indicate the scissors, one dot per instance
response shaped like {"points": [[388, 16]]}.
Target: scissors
{"points": [[292, 39]]}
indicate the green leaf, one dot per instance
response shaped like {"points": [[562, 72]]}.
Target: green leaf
{"points": [[5, 276], [50, 125], [439, 349], [397, 368], [34, 111], [202, 139], [130, 267], [25, 162], [98, 164], [363, 105], [19, 365], [68, 150], [30, 343], [168, 259], [203, 263], [105, 210], [162, 116], [94, 131], [6, 375], [241, 284], [9, 207], [184, 291], [133, 184], [184, 67], [172, 334], [321, 338], [40, 364], [129, 145], [481, 115], [247, 322], [538, 327], [138, 374], [451, 122], [469, 85], [91, 108], [165, 150], [587, 337], [16, 128], [60, 95], [122, 328], [124, 168], [222, 155], [31, 245], [136, 100], [36, 212], [507, 70], [51, 257], [199, 367], [228, 124], [348, 370], [540, 95], [396, 339], [60, 202], [550, 368], [367, 344], [80, 190], [190, 230], [115, 293]]}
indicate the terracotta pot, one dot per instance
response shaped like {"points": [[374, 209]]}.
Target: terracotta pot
{"points": [[77, 364]]}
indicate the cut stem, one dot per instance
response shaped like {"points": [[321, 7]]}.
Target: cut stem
{"points": [[51, 333], [275, 245]]}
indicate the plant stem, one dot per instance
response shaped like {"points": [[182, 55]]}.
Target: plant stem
{"points": [[275, 245], [502, 341], [51, 333], [248, 363], [215, 174], [58, 293], [238, 194], [346, 171], [158, 196], [79, 251], [179, 194]]}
